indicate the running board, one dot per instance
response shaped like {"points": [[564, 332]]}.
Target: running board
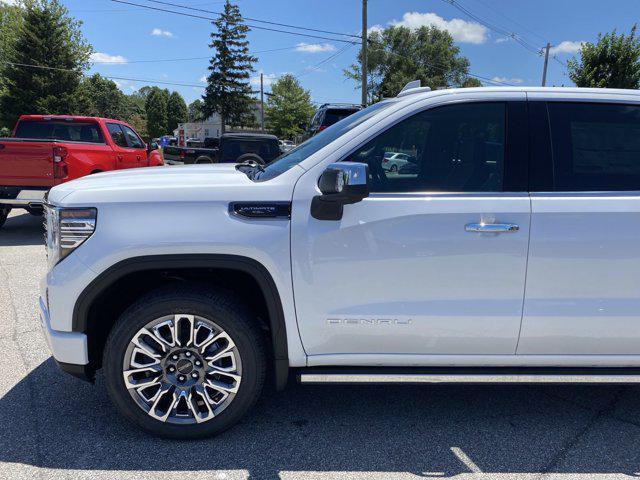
{"points": [[471, 376]]}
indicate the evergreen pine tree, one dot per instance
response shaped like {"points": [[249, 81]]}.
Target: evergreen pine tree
{"points": [[156, 107], [47, 37], [176, 111], [228, 90]]}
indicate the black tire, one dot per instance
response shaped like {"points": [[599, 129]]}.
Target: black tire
{"points": [[394, 168], [250, 156], [221, 308], [4, 213], [203, 159]]}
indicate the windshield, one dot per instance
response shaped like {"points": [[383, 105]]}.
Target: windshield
{"points": [[315, 143]]}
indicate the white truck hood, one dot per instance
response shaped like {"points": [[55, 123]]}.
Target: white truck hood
{"points": [[189, 183]]}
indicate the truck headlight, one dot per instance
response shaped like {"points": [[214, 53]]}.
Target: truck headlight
{"points": [[66, 230]]}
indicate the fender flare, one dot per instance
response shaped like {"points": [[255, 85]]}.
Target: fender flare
{"points": [[229, 262]]}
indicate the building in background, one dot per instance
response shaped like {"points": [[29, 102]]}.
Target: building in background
{"points": [[212, 127]]}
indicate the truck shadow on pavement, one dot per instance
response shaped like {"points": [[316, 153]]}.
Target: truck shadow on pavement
{"points": [[22, 228], [51, 420]]}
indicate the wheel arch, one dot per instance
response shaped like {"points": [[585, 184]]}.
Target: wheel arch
{"points": [[82, 318]]}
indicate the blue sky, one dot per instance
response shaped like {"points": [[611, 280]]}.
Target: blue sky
{"points": [[121, 33]]}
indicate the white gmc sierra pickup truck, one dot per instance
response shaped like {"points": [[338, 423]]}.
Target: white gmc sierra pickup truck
{"points": [[505, 248]]}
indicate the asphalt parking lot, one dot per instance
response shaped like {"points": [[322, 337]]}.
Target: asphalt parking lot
{"points": [[54, 426]]}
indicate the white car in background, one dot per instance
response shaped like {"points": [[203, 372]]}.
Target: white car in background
{"points": [[286, 145], [394, 161]]}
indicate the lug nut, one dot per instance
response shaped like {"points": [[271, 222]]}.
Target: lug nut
{"points": [[188, 354], [181, 378], [174, 357], [198, 363], [172, 369], [194, 375]]}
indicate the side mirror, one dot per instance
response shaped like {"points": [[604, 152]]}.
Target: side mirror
{"points": [[341, 184], [151, 146]]}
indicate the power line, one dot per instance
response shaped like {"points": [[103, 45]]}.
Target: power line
{"points": [[188, 7], [111, 77], [331, 57], [515, 22], [444, 67], [502, 31], [126, 62], [257, 27]]}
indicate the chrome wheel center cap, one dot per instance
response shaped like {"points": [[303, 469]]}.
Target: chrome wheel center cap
{"points": [[184, 366]]}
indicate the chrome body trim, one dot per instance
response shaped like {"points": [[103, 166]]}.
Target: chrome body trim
{"points": [[447, 194], [491, 227], [610, 193], [488, 378]]}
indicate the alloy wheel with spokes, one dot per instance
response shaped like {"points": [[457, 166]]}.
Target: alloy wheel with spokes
{"points": [[182, 369], [185, 361]]}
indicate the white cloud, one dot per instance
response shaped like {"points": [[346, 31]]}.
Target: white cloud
{"points": [[512, 80], [267, 78], [502, 39], [101, 57], [566, 47], [125, 84], [158, 32], [375, 28], [203, 79], [314, 47], [460, 30], [9, 2]]}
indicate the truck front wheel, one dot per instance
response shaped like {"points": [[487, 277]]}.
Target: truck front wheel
{"points": [[4, 213], [185, 362], [204, 159]]}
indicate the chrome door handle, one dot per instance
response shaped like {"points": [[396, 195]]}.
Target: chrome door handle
{"points": [[491, 227]]}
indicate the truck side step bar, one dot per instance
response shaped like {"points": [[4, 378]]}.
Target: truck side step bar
{"points": [[319, 375]]}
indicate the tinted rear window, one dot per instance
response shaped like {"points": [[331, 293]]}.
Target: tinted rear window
{"points": [[596, 147], [335, 115], [59, 130]]}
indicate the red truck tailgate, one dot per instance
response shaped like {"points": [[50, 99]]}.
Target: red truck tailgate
{"points": [[26, 163]]}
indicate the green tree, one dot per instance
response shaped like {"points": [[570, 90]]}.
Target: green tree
{"points": [[10, 19], [156, 108], [471, 82], [612, 62], [139, 124], [47, 37], [228, 90], [98, 96], [288, 106], [135, 105], [195, 113], [176, 111], [398, 55]]}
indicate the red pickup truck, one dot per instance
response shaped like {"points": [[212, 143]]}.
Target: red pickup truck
{"points": [[46, 150]]}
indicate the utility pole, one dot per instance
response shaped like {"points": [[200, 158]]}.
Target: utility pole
{"points": [[262, 102], [364, 53], [546, 62]]}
